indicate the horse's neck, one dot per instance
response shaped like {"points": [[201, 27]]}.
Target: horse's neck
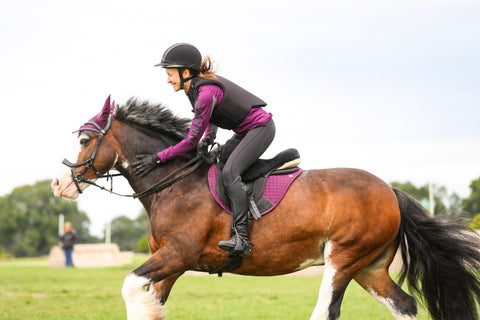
{"points": [[131, 142]]}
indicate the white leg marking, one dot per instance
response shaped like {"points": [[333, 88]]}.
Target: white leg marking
{"points": [[325, 293], [141, 304], [391, 306]]}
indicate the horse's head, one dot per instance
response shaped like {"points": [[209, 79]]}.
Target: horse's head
{"points": [[90, 163], [140, 128]]}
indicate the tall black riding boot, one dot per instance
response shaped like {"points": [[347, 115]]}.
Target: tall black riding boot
{"points": [[238, 244]]}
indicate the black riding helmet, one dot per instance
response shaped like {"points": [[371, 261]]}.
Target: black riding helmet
{"points": [[182, 56]]}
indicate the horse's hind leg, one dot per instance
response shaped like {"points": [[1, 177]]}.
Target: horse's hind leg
{"points": [[330, 297], [342, 265], [332, 289], [378, 283]]}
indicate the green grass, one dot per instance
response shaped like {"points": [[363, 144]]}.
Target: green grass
{"points": [[30, 290]]}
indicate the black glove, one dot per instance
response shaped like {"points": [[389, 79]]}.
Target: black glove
{"points": [[202, 146], [145, 164], [208, 141]]}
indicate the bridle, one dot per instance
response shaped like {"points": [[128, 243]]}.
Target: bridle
{"points": [[79, 177], [165, 182]]}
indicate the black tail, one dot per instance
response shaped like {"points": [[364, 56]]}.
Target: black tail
{"points": [[441, 261]]}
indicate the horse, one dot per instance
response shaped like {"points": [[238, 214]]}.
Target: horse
{"points": [[346, 219]]}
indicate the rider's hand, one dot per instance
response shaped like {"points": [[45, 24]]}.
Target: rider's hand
{"points": [[202, 146], [208, 141], [145, 164]]}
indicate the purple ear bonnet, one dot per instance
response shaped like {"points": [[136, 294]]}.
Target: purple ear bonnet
{"points": [[101, 118]]}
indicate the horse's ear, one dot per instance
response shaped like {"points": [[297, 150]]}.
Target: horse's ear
{"points": [[107, 109], [101, 119], [112, 106]]}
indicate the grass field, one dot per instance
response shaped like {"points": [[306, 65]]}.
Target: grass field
{"points": [[31, 290]]}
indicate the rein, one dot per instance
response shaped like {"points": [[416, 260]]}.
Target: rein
{"points": [[172, 177], [165, 182], [159, 186]]}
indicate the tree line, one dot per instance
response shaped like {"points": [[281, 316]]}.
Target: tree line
{"points": [[29, 218], [445, 203]]}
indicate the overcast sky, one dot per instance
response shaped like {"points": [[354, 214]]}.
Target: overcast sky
{"points": [[392, 87]]}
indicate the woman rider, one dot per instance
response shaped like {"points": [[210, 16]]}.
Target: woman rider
{"points": [[216, 102]]}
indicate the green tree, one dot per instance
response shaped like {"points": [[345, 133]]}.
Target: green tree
{"points": [[422, 195], [471, 205], [127, 232], [475, 224], [29, 220], [455, 204], [142, 244]]}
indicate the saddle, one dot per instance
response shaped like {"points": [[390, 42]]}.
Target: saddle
{"points": [[266, 181]]}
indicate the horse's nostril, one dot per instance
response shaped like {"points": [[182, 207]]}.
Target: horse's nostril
{"points": [[55, 183]]}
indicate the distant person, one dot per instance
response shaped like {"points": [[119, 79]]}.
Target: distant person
{"points": [[68, 240]]}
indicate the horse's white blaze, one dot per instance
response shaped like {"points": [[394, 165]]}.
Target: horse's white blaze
{"points": [[389, 303], [63, 185], [325, 293], [141, 304]]}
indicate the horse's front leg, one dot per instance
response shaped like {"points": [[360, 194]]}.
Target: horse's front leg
{"points": [[164, 287], [146, 289]]}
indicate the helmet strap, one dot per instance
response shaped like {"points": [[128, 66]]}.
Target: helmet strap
{"points": [[183, 80]]}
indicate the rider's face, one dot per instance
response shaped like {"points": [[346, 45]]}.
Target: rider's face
{"points": [[174, 78]]}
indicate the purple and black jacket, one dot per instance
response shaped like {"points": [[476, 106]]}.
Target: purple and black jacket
{"points": [[218, 103]]}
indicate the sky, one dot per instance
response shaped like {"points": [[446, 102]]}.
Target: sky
{"points": [[391, 87]]}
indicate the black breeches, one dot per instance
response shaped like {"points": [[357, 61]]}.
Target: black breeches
{"points": [[248, 150]]}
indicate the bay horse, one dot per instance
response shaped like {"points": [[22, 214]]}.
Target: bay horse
{"points": [[348, 220]]}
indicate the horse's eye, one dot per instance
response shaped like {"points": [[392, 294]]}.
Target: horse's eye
{"points": [[84, 142]]}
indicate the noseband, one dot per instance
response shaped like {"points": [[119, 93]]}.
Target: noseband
{"points": [[78, 177]]}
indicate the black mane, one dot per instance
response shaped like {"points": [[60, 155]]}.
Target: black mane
{"points": [[154, 117]]}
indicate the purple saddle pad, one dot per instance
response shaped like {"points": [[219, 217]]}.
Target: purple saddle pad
{"points": [[275, 188]]}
